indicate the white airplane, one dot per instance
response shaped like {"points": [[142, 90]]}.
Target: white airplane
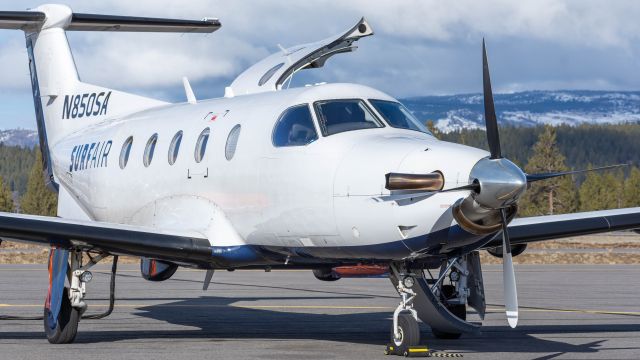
{"points": [[270, 177]]}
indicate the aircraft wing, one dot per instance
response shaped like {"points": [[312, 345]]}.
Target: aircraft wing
{"points": [[180, 247], [539, 228]]}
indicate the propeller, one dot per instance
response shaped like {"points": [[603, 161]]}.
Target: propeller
{"points": [[493, 138], [496, 185], [544, 176]]}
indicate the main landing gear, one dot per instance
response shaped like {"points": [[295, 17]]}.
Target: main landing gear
{"points": [[65, 306]]}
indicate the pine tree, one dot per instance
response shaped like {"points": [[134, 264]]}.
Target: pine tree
{"points": [[553, 196], [601, 191], [6, 200], [38, 200], [632, 189], [589, 192]]}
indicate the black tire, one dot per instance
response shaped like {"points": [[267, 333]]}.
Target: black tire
{"points": [[67, 326], [459, 310], [409, 331]]}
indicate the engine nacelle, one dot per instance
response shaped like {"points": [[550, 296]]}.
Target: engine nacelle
{"points": [[156, 270], [515, 250]]}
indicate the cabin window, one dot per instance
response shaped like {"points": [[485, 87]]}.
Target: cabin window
{"points": [[201, 145], [232, 142], [294, 128], [336, 116], [398, 116], [124, 153], [269, 74], [174, 147], [150, 149]]}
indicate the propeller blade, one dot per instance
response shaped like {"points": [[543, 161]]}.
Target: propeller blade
{"points": [[543, 176], [508, 275], [493, 137]]}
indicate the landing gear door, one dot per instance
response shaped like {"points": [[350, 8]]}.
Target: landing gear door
{"points": [[272, 72]]}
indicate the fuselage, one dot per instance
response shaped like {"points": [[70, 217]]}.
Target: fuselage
{"points": [[325, 199]]}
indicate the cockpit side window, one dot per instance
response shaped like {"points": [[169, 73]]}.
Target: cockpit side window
{"points": [[294, 128], [336, 116], [398, 116]]}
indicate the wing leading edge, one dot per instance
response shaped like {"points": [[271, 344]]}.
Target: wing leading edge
{"points": [[182, 247], [539, 228]]}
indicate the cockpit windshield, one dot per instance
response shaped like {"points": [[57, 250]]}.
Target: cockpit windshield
{"points": [[336, 116], [398, 116]]}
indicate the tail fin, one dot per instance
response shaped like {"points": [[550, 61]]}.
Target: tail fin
{"points": [[62, 102]]}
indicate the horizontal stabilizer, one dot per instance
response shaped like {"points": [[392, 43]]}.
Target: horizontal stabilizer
{"points": [[94, 22], [21, 20], [33, 20]]}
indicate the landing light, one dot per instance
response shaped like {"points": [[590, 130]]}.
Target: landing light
{"points": [[408, 282], [86, 276]]}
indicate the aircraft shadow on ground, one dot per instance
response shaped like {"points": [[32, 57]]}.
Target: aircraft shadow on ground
{"points": [[215, 318], [363, 327]]}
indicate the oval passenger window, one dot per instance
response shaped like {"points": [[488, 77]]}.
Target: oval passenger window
{"points": [[201, 145], [232, 142], [174, 147], [149, 149], [124, 153]]}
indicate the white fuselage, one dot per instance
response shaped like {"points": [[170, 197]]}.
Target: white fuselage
{"points": [[328, 194]]}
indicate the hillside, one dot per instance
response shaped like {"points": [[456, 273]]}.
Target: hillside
{"points": [[530, 108], [582, 145], [19, 137]]}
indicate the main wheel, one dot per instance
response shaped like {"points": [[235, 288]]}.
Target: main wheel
{"points": [[459, 310], [409, 333], [67, 325]]}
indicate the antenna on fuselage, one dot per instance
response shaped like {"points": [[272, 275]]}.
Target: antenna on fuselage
{"points": [[191, 98]]}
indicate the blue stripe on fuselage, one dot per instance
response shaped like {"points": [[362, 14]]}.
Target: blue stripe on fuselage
{"points": [[449, 240]]}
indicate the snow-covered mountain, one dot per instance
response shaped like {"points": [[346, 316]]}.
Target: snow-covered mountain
{"points": [[19, 137], [529, 108]]}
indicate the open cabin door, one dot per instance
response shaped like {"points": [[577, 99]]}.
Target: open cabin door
{"points": [[272, 72]]}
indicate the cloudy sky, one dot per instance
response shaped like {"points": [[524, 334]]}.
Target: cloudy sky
{"points": [[420, 47]]}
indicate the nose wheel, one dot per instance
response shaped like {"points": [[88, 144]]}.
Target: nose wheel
{"points": [[406, 334]]}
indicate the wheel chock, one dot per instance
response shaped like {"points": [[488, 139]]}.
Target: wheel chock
{"points": [[419, 351]]}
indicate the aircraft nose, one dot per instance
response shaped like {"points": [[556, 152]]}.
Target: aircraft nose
{"points": [[501, 182]]}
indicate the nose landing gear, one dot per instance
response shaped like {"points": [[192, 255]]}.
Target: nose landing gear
{"points": [[405, 332]]}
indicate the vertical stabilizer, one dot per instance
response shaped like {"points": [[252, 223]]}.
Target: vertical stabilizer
{"points": [[62, 102]]}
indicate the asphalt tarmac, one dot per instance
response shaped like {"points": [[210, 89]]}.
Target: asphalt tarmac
{"points": [[567, 312]]}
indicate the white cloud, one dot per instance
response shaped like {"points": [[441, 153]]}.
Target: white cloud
{"points": [[421, 46]]}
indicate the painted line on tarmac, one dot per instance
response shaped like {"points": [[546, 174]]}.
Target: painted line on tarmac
{"points": [[106, 270], [582, 311], [335, 307]]}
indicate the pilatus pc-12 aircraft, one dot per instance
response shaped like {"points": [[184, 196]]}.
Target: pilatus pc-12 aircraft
{"points": [[270, 177]]}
